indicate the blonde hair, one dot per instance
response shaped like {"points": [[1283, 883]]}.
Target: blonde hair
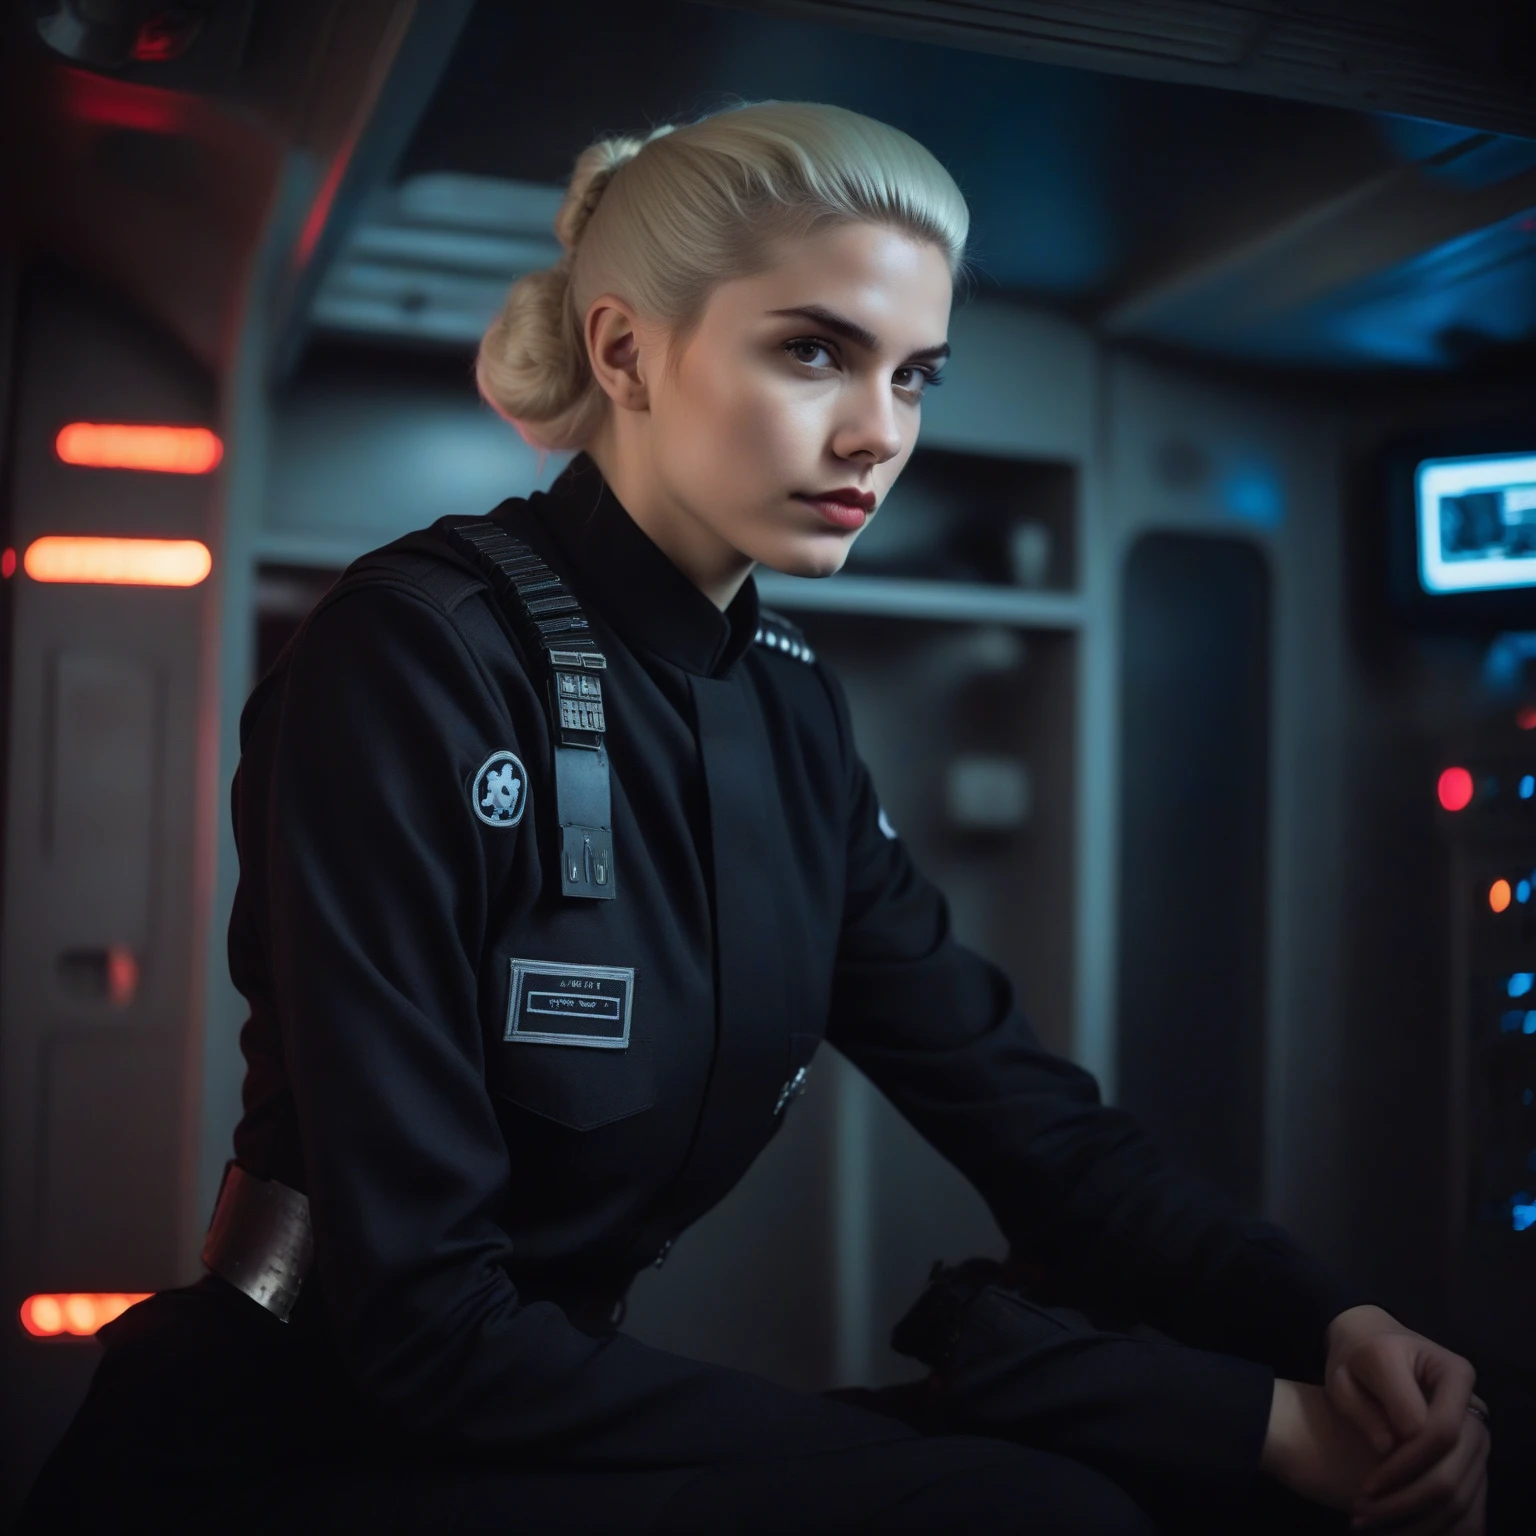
{"points": [[662, 220]]}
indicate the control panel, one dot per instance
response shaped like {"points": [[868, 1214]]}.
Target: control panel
{"points": [[1487, 798]]}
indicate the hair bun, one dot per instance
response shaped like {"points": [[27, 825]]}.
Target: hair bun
{"points": [[532, 365], [595, 168]]}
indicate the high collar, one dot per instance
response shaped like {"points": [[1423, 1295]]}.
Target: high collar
{"points": [[639, 592]]}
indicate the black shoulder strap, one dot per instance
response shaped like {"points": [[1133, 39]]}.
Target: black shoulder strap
{"points": [[549, 621]]}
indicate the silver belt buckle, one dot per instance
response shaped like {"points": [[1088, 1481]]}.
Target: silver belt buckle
{"points": [[260, 1240]]}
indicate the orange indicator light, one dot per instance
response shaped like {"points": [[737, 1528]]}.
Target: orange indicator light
{"points": [[120, 562], [1500, 895], [165, 450], [1455, 789], [76, 1314]]}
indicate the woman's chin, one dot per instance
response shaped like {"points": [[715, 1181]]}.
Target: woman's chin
{"points": [[806, 557]]}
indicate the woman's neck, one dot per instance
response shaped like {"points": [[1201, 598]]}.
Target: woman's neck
{"points": [[716, 568]]}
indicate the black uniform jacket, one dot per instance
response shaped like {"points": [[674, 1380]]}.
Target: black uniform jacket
{"points": [[481, 1202]]}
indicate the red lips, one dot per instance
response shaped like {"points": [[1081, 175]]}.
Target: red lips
{"points": [[849, 497], [845, 509]]}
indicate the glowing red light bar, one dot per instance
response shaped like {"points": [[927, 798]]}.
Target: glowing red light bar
{"points": [[1525, 718], [1455, 789], [96, 99], [75, 1314], [118, 562], [125, 445]]}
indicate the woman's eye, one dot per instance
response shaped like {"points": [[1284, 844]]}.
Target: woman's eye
{"points": [[914, 381], [813, 354]]}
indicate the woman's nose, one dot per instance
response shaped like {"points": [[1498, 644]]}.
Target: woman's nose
{"points": [[870, 429]]}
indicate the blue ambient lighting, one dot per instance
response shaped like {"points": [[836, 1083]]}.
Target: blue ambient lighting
{"points": [[1523, 891], [1522, 1216], [1528, 786], [1527, 1096], [1529, 1027], [1512, 1022], [1504, 664], [1251, 491], [1521, 983]]}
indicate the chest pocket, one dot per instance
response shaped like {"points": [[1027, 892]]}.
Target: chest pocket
{"points": [[569, 1051]]}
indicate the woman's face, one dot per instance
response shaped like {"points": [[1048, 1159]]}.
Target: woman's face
{"points": [[773, 430]]}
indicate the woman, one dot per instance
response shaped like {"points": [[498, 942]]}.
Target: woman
{"points": [[557, 861]]}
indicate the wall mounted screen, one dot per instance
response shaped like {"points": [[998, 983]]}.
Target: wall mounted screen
{"points": [[1476, 520]]}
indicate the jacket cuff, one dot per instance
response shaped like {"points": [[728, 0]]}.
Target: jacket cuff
{"points": [[1279, 1312], [1180, 1429]]}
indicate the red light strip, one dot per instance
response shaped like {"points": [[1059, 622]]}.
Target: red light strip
{"points": [[75, 1314], [118, 562], [125, 445], [110, 103]]}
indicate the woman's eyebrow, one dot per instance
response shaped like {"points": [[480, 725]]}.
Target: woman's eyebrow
{"points": [[839, 325], [851, 330]]}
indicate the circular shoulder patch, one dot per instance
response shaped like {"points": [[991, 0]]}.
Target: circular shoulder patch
{"points": [[500, 790]]}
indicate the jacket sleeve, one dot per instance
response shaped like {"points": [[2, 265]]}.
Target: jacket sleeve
{"points": [[370, 881], [1073, 1183]]}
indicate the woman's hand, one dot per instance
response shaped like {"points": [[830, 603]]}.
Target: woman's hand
{"points": [[1397, 1388], [1410, 1398], [1318, 1454]]}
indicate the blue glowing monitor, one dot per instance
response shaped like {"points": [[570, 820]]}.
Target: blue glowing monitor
{"points": [[1477, 523]]}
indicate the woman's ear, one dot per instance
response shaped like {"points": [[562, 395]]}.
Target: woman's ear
{"points": [[613, 345]]}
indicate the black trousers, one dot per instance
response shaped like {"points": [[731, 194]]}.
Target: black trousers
{"points": [[195, 1423]]}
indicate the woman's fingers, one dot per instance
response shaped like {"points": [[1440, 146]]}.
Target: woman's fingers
{"points": [[1361, 1409], [1476, 1522], [1463, 1514], [1440, 1497], [1447, 1385], [1408, 1464]]}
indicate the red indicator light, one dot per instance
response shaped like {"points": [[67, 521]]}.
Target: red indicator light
{"points": [[122, 975], [1455, 789], [75, 1314], [118, 562], [1525, 717], [121, 445], [1500, 895], [8, 563], [165, 36]]}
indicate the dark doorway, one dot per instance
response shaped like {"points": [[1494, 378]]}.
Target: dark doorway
{"points": [[1193, 846]]}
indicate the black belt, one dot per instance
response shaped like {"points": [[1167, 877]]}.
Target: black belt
{"points": [[261, 1242]]}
